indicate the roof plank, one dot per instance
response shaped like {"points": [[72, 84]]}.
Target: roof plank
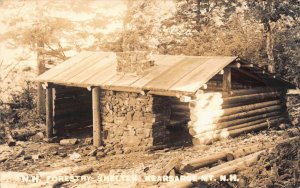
{"points": [[156, 71], [175, 73], [199, 76], [80, 66], [94, 70], [104, 76], [58, 69]]}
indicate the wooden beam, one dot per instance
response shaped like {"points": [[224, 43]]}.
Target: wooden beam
{"points": [[197, 94], [89, 88], [256, 90], [96, 117], [251, 75], [227, 80], [204, 86], [247, 65], [185, 99], [45, 85], [170, 93], [251, 98], [234, 65], [49, 112]]}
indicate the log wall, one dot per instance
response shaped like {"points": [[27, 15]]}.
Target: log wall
{"points": [[72, 107], [180, 111], [216, 115], [217, 85], [180, 116]]}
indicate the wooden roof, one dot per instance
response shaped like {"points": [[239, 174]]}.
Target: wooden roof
{"points": [[177, 74], [170, 73]]}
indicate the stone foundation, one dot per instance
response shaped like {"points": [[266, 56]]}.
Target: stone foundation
{"points": [[133, 122]]}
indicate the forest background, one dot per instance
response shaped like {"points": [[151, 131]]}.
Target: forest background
{"points": [[36, 35]]}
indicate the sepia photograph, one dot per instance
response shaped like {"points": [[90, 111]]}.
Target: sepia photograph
{"points": [[149, 93]]}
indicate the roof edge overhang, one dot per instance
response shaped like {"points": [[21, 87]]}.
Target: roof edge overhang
{"points": [[156, 91]]}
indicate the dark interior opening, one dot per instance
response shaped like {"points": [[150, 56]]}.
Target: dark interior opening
{"points": [[178, 124], [72, 112]]}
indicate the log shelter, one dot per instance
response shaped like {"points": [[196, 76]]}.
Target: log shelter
{"points": [[212, 97]]}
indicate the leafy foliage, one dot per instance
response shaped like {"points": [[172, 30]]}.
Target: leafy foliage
{"points": [[287, 56], [21, 110], [138, 26]]}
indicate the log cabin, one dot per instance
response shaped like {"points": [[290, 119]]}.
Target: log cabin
{"points": [[134, 100]]}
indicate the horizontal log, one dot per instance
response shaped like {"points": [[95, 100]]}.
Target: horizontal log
{"points": [[73, 101], [249, 91], [177, 116], [174, 100], [62, 123], [178, 123], [72, 104], [180, 114], [270, 123], [226, 168], [70, 126], [186, 119], [219, 85], [234, 65], [252, 97], [233, 122], [62, 97], [72, 119], [168, 167], [199, 130], [251, 113], [185, 99], [227, 155], [209, 138], [244, 108], [215, 118], [220, 170], [234, 110], [72, 98], [247, 65], [257, 147], [180, 107], [293, 92], [209, 90], [207, 99], [70, 90], [59, 111], [203, 162], [73, 115]]}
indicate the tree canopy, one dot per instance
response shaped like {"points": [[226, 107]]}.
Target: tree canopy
{"points": [[264, 32]]}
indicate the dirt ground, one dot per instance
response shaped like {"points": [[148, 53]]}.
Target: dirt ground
{"points": [[33, 154], [53, 156]]}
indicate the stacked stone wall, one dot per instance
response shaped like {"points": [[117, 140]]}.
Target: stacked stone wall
{"points": [[132, 121]]}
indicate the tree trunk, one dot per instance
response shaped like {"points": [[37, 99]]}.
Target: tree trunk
{"points": [[269, 50], [269, 37], [41, 95]]}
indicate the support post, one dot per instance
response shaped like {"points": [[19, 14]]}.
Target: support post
{"points": [[49, 112], [96, 117], [227, 80]]}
